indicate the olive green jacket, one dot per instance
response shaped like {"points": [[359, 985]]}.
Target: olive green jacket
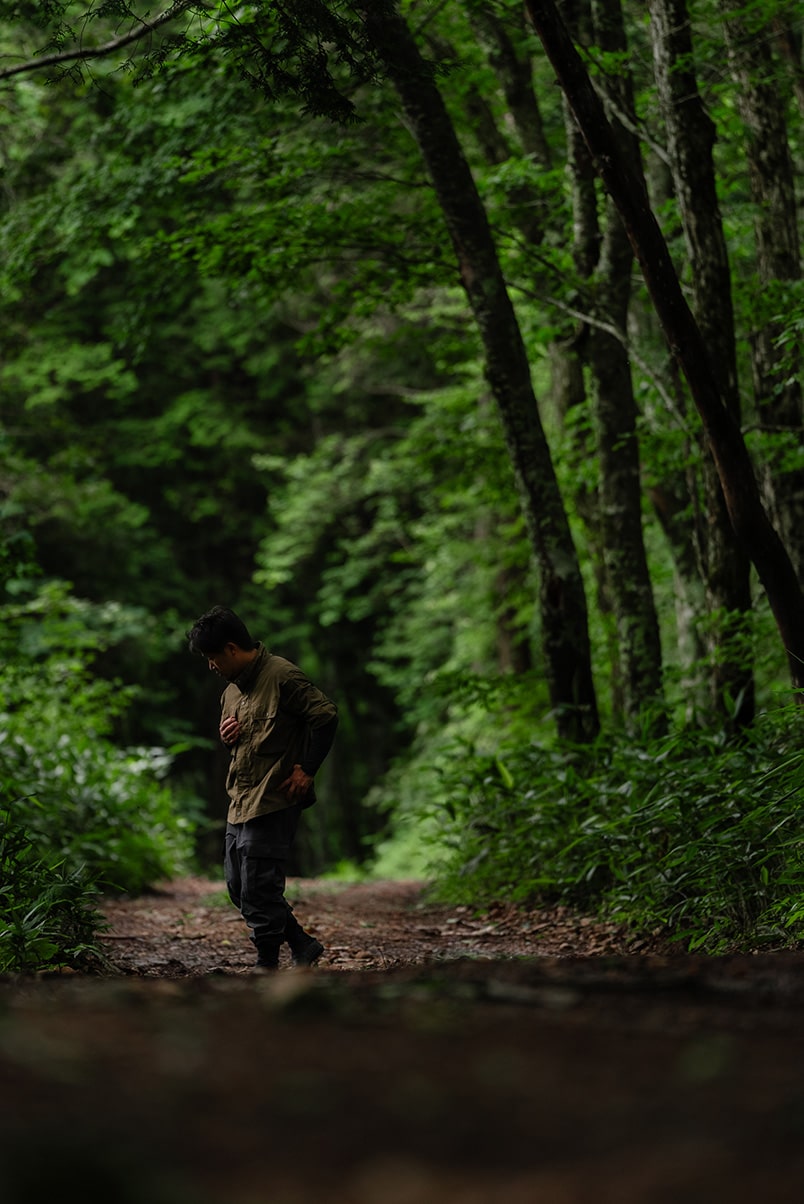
{"points": [[279, 709]]}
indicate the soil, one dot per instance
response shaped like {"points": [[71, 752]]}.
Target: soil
{"points": [[434, 1056]]}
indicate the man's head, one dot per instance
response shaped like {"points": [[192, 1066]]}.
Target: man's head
{"points": [[223, 639]]}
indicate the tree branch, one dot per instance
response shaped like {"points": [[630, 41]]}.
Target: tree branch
{"points": [[94, 52], [609, 328]]}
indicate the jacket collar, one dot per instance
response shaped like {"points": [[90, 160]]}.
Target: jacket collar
{"points": [[246, 679]]}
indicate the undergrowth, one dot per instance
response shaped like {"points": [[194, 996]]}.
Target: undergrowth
{"points": [[79, 814], [687, 834], [48, 913]]}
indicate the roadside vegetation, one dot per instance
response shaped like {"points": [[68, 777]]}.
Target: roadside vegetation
{"points": [[684, 836], [80, 813]]}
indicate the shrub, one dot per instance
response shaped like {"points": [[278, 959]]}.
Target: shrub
{"points": [[47, 913], [81, 798], [79, 813], [100, 807], [688, 833]]}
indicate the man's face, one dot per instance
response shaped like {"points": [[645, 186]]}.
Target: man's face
{"points": [[226, 662]]}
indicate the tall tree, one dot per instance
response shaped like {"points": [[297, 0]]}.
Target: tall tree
{"points": [[612, 511], [563, 611], [604, 256], [690, 134], [752, 527], [763, 105]]}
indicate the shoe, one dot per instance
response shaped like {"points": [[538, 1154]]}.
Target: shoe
{"points": [[309, 954]]}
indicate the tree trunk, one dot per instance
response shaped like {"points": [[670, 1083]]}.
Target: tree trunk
{"points": [[777, 389], [789, 41], [514, 72], [751, 524], [672, 510], [615, 530], [568, 392], [563, 610], [676, 496], [690, 136], [627, 575]]}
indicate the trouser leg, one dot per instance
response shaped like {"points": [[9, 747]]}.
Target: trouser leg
{"points": [[294, 933], [231, 864], [256, 855]]}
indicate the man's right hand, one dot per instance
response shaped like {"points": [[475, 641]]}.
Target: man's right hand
{"points": [[230, 730]]}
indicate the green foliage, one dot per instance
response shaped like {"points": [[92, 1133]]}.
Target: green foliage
{"points": [[79, 811], [92, 804], [81, 798], [389, 524], [688, 835], [48, 915]]}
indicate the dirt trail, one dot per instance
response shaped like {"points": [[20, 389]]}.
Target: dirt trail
{"points": [[435, 1057], [189, 928]]}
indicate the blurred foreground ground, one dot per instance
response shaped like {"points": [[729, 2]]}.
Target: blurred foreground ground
{"points": [[434, 1057]]}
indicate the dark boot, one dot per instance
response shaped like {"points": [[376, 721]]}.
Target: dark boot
{"points": [[268, 953], [306, 953], [304, 949]]}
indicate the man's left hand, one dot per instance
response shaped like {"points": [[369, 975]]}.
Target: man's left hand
{"points": [[298, 784]]}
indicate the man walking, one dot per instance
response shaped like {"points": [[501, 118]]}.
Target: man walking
{"points": [[278, 728]]}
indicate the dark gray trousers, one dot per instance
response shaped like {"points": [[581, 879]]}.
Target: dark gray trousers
{"points": [[255, 866]]}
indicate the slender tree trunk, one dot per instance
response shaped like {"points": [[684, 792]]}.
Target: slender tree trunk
{"points": [[673, 512], [690, 135], [790, 42], [514, 72], [606, 259], [627, 574], [615, 529], [568, 390], [777, 388], [563, 611], [751, 524], [527, 209], [676, 497]]}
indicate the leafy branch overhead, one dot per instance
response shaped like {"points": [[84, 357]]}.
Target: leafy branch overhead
{"points": [[294, 50]]}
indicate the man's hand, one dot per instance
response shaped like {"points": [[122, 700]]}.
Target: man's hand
{"points": [[297, 785], [230, 730]]}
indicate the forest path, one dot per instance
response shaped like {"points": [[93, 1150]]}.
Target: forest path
{"points": [[188, 927], [435, 1057]]}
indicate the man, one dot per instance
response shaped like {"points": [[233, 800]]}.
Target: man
{"points": [[278, 728]]}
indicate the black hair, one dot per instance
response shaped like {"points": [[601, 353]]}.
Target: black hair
{"points": [[217, 628]]}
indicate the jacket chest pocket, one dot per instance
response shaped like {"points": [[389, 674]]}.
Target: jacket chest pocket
{"points": [[269, 737]]}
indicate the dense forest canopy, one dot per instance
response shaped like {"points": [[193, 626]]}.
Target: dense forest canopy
{"points": [[457, 346]]}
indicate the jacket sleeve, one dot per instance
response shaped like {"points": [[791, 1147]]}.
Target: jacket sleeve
{"points": [[300, 697], [321, 739]]}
